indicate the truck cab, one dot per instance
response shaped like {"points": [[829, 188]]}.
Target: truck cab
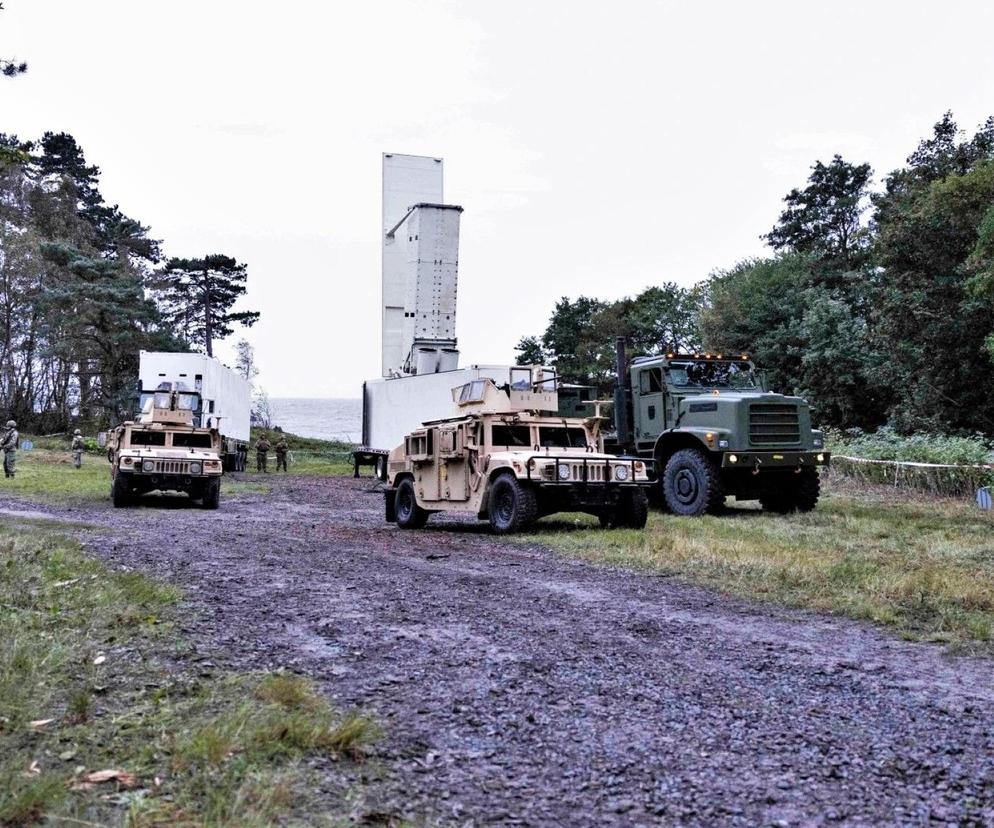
{"points": [[713, 429]]}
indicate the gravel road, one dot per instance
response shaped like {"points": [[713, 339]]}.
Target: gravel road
{"points": [[519, 687]]}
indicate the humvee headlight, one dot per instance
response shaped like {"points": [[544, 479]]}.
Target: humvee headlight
{"points": [[564, 472], [148, 465], [195, 468], [621, 473], [723, 444], [733, 458]]}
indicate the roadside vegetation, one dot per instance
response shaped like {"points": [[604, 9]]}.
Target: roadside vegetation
{"points": [[923, 567], [107, 719]]}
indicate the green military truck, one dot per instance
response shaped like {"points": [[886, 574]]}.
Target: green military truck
{"points": [[713, 429]]}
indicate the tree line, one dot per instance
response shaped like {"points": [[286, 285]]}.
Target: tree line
{"points": [[875, 304], [84, 287]]}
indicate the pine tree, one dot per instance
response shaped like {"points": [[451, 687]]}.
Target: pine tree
{"points": [[198, 295]]}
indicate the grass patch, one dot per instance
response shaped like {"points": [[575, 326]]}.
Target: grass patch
{"points": [[48, 474], [924, 568], [308, 455], [93, 677]]}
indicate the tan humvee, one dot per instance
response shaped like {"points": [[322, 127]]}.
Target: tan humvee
{"points": [[505, 458], [164, 450]]}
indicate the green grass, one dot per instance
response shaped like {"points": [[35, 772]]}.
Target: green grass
{"points": [[93, 676], [923, 568], [48, 474], [308, 455]]}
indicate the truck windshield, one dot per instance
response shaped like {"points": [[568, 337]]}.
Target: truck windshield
{"points": [[191, 440], [707, 374], [562, 437]]}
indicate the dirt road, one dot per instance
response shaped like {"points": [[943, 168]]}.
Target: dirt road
{"points": [[517, 686]]}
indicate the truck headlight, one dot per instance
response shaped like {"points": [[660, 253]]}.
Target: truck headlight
{"points": [[148, 465], [621, 472], [564, 473], [732, 458], [820, 458], [195, 468], [818, 442], [723, 444]]}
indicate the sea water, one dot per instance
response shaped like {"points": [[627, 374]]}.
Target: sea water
{"points": [[324, 419]]}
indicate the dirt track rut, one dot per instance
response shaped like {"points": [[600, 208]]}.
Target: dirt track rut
{"points": [[517, 686]]}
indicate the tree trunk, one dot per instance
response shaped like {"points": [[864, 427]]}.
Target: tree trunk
{"points": [[208, 330]]}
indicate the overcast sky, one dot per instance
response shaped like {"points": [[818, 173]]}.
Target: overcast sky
{"points": [[596, 147]]}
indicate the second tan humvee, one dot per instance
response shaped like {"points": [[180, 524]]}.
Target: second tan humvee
{"points": [[505, 458]]}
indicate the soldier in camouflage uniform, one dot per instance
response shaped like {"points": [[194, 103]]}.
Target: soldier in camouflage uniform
{"points": [[282, 447], [8, 444], [262, 454], [77, 448]]}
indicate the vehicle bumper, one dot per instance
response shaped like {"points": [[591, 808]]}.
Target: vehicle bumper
{"points": [[763, 460]]}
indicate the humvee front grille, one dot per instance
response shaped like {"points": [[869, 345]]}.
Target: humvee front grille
{"points": [[774, 424], [595, 472], [171, 467]]}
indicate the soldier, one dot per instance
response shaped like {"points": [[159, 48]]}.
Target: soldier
{"points": [[262, 454], [77, 448], [282, 447], [8, 443]]}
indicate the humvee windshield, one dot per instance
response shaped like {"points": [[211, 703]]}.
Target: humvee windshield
{"points": [[191, 440], [707, 374], [562, 437], [148, 438], [510, 436]]}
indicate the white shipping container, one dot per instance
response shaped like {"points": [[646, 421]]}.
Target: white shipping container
{"points": [[226, 397], [394, 407]]}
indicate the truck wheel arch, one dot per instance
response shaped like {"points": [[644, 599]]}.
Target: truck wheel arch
{"points": [[670, 442]]}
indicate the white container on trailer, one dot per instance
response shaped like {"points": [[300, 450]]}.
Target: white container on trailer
{"points": [[393, 407], [226, 396]]}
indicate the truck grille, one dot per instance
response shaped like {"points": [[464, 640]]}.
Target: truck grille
{"points": [[774, 424], [171, 467], [595, 472]]}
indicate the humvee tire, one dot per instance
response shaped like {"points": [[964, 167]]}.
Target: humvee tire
{"points": [[692, 484], [211, 498], [120, 491], [511, 506], [409, 514], [802, 496], [632, 510]]}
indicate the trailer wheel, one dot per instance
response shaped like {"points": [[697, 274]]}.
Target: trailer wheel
{"points": [[212, 494], [692, 484], [512, 506], [120, 491], [409, 514]]}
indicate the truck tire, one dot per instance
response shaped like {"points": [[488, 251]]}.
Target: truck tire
{"points": [[120, 491], [212, 494], [692, 484], [797, 493], [409, 514], [511, 505], [808, 490]]}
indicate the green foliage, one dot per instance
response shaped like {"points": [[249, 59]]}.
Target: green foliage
{"points": [[580, 337], [888, 444], [823, 219], [73, 281], [198, 295]]}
